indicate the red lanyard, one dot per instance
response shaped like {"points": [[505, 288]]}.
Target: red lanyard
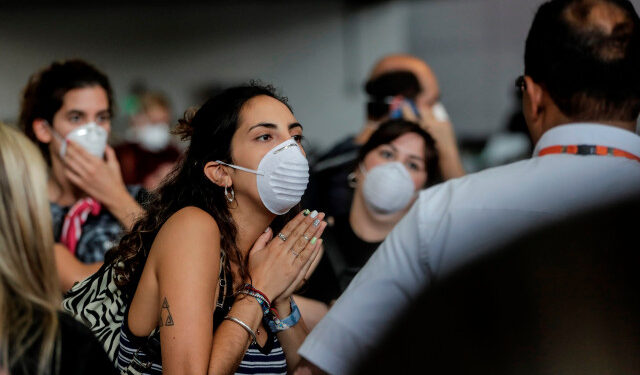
{"points": [[588, 150]]}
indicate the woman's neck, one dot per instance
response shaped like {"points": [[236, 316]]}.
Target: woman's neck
{"points": [[251, 221], [61, 191], [368, 226]]}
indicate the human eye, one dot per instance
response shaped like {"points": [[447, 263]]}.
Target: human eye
{"points": [[75, 118], [264, 138], [413, 166], [386, 154], [298, 138], [104, 118]]}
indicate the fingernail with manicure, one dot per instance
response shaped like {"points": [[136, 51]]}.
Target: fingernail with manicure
{"points": [[316, 222], [314, 214], [306, 212], [313, 240], [267, 230]]}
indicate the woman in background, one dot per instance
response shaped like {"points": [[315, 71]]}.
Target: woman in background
{"points": [[66, 110], [35, 336], [397, 162]]}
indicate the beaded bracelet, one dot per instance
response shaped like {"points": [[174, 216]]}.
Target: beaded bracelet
{"points": [[262, 299], [277, 325]]}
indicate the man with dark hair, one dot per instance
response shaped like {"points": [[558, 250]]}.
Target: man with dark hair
{"points": [[580, 100], [398, 83]]}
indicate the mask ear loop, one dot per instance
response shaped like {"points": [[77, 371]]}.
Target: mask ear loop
{"points": [[60, 138], [260, 173]]}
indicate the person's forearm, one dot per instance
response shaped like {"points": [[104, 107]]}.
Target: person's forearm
{"points": [[291, 338], [70, 269], [230, 340], [450, 163], [124, 208]]}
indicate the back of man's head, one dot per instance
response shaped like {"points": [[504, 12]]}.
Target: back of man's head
{"points": [[586, 54]]}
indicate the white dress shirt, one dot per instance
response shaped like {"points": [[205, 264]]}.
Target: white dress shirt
{"points": [[457, 221]]}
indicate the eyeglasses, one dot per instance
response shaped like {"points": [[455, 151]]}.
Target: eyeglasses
{"points": [[521, 83]]}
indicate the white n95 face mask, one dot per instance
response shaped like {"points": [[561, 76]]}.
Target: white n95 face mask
{"points": [[387, 188], [282, 176], [91, 137], [153, 137]]}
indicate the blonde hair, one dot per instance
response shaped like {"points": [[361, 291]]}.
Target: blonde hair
{"points": [[29, 285]]}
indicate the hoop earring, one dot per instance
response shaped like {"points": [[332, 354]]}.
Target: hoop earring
{"points": [[352, 180], [226, 194]]}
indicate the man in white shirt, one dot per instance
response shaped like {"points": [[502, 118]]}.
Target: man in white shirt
{"points": [[581, 99]]}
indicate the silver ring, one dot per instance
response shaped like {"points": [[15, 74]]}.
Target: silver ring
{"points": [[306, 237], [282, 236]]}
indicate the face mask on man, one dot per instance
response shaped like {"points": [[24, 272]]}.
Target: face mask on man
{"points": [[153, 137], [282, 177], [387, 188], [90, 136]]}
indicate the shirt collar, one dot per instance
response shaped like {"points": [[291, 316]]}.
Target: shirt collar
{"points": [[590, 134]]}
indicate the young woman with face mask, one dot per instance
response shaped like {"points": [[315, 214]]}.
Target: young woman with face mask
{"points": [[396, 162], [66, 109], [210, 269]]}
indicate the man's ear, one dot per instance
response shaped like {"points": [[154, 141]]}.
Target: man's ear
{"points": [[42, 130], [535, 94], [218, 174], [533, 107]]}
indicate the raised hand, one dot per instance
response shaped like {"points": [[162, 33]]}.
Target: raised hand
{"points": [[101, 180], [444, 136], [278, 264]]}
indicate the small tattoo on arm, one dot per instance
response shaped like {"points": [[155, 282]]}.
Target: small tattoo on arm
{"points": [[168, 321]]}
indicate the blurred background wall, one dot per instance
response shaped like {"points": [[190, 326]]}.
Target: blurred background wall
{"points": [[318, 53]]}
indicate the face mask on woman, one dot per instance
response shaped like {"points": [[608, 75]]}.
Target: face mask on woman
{"points": [[90, 136], [387, 188], [282, 176], [153, 137]]}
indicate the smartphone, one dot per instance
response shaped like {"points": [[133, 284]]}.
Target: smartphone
{"points": [[396, 104]]}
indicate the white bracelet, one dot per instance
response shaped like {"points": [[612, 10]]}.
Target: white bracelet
{"points": [[243, 325]]}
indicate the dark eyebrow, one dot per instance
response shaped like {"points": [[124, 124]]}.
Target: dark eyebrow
{"points": [[264, 124], [411, 156], [392, 146], [75, 112], [273, 126], [416, 157]]}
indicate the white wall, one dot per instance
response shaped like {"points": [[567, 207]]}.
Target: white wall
{"points": [[317, 53], [476, 48]]}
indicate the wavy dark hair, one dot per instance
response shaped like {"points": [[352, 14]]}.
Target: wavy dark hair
{"points": [[210, 130], [393, 129], [43, 95]]}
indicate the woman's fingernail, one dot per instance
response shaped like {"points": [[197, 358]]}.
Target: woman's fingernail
{"points": [[313, 240], [306, 212], [316, 222], [314, 214], [267, 230]]}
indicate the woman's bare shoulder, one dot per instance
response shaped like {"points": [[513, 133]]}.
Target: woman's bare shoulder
{"points": [[190, 232]]}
